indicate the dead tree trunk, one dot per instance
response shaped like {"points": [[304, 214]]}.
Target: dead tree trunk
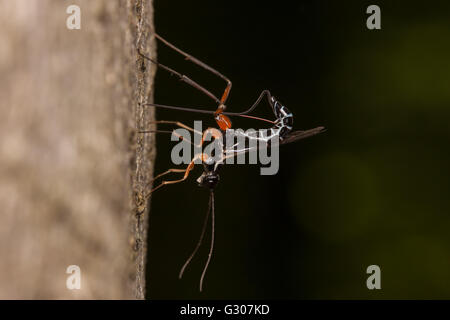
{"points": [[74, 169]]}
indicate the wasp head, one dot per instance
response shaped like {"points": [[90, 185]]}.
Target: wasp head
{"points": [[210, 176]]}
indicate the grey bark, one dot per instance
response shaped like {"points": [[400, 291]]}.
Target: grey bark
{"points": [[74, 170]]}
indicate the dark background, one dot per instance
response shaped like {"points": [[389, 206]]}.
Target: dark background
{"points": [[373, 189]]}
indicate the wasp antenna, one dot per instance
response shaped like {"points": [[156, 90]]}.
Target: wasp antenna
{"points": [[211, 248], [199, 241]]}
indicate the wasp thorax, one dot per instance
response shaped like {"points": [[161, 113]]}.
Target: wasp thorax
{"points": [[208, 180]]}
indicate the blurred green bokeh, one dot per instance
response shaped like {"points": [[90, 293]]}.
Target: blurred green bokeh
{"points": [[373, 189]]}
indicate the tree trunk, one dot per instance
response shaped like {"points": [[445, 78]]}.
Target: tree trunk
{"points": [[74, 169]]}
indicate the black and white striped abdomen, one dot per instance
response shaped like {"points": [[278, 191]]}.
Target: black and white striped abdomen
{"points": [[283, 125], [285, 119]]}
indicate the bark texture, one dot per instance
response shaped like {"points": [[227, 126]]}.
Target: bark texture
{"points": [[74, 170]]}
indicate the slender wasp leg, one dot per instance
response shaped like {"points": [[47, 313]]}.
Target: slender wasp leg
{"points": [[241, 114], [222, 120], [167, 172], [186, 173], [204, 66], [215, 133], [159, 176], [171, 132], [177, 123], [181, 125], [182, 77]]}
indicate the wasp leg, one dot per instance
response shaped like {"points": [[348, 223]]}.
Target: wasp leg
{"points": [[203, 65], [186, 173], [177, 123]]}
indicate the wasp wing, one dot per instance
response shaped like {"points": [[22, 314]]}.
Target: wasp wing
{"points": [[301, 134], [292, 137]]}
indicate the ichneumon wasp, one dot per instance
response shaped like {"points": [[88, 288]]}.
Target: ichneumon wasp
{"points": [[281, 129]]}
